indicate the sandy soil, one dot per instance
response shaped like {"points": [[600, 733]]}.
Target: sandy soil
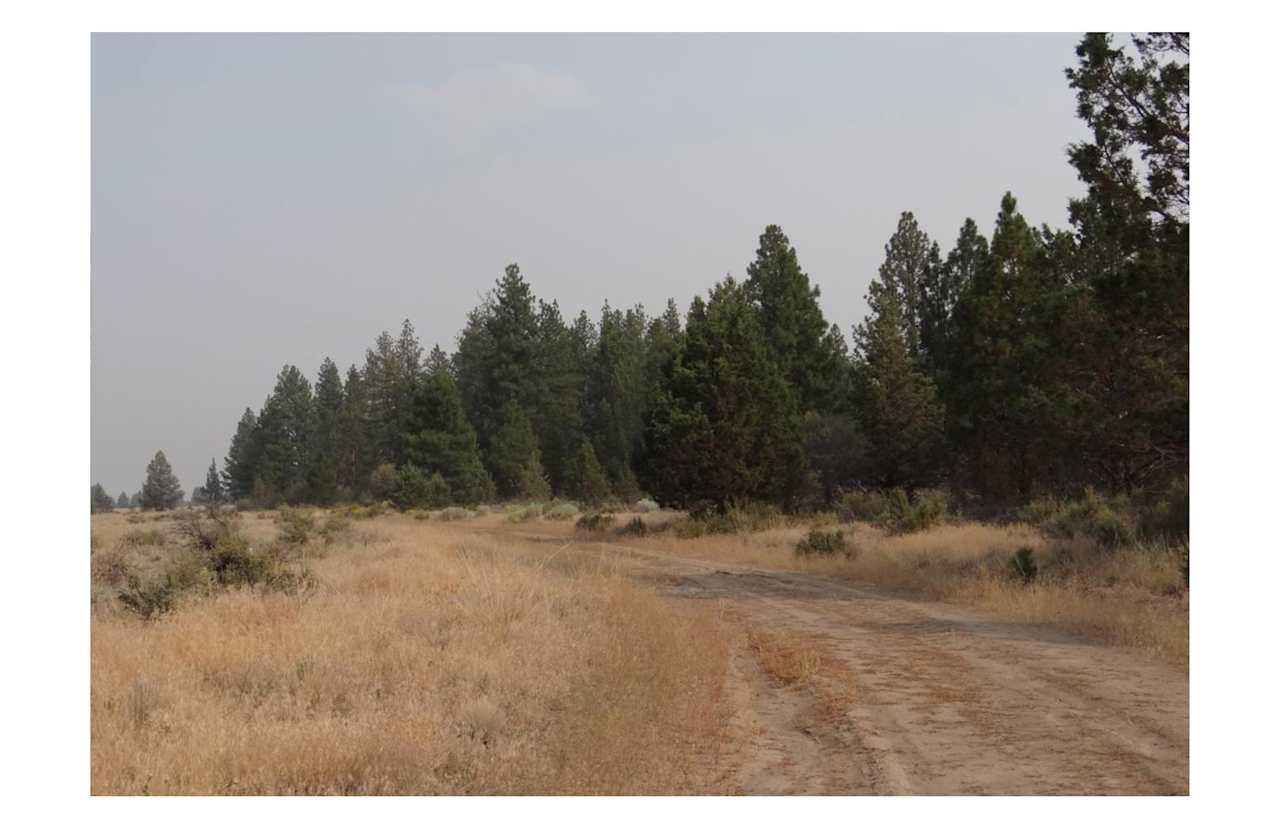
{"points": [[920, 697]]}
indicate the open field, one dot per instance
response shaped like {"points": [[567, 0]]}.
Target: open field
{"points": [[487, 655]]}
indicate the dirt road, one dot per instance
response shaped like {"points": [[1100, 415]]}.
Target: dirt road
{"points": [[913, 697]]}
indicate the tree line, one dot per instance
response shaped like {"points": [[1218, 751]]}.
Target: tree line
{"points": [[1028, 361]]}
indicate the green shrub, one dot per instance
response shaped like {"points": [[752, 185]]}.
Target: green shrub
{"points": [[867, 505], [1169, 516], [1090, 517], [420, 514], [531, 512], [823, 542], [334, 526], [453, 513], [751, 518], [635, 526], [560, 511], [595, 522], [296, 526], [1023, 565], [916, 513], [159, 596]]}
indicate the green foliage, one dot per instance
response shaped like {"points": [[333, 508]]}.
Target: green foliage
{"points": [[1091, 516], [286, 428], [1167, 516], [239, 467], [726, 429], [454, 513], [922, 510], [560, 511], [383, 481], [161, 489], [1023, 565], [755, 517], [590, 485], [523, 514], [533, 481], [99, 500], [296, 526], [414, 488], [823, 543], [596, 522], [866, 505]]}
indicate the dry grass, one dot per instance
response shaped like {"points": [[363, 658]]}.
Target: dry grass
{"points": [[1131, 597], [788, 660], [431, 660]]}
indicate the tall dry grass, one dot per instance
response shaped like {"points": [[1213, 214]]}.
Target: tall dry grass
{"points": [[431, 660], [1131, 597]]}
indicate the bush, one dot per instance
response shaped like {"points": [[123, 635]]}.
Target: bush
{"points": [[335, 524], [635, 526], [867, 505], [109, 567], [1168, 518], [1023, 565], [203, 530], [560, 511], [454, 513], [296, 526], [914, 514], [414, 487], [595, 522], [1090, 517], [525, 513], [143, 537], [823, 542], [751, 518], [150, 599], [383, 481], [645, 505]]}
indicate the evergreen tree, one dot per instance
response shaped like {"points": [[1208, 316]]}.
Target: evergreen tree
{"points": [[725, 429], [512, 450], [910, 260], [353, 457], [99, 500], [322, 462], [896, 401], [533, 480], [240, 466], [122, 502], [442, 441], [940, 292], [590, 485], [615, 392], [393, 368], [212, 489], [161, 489], [286, 428], [554, 402], [135, 500], [798, 336]]}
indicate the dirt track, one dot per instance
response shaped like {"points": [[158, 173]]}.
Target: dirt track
{"points": [[922, 698]]}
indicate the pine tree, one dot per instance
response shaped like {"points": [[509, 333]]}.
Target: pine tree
{"points": [[353, 457], [512, 450], [122, 502], [161, 490], [614, 397], [322, 461], [533, 480], [797, 334], [554, 402], [99, 500], [725, 429], [285, 430], [212, 489], [240, 466], [896, 401], [910, 259], [590, 485], [442, 441]]}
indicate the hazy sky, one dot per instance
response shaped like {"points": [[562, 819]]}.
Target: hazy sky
{"points": [[261, 199]]}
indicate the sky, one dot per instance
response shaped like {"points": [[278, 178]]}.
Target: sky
{"points": [[262, 200]]}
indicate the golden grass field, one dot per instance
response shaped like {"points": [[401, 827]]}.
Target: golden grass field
{"points": [[499, 657]]}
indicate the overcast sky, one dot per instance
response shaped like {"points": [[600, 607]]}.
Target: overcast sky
{"points": [[261, 200]]}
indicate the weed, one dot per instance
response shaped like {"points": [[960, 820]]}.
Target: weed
{"points": [[823, 543], [595, 522]]}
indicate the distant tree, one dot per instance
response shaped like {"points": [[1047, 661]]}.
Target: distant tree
{"points": [[212, 488], [800, 341], [725, 429], [198, 496], [896, 401], [533, 480], [322, 460], [122, 502], [590, 485], [554, 401], [161, 490], [353, 456], [135, 500], [240, 466], [99, 500], [512, 450], [415, 488], [614, 398], [910, 262], [286, 428], [442, 441]]}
